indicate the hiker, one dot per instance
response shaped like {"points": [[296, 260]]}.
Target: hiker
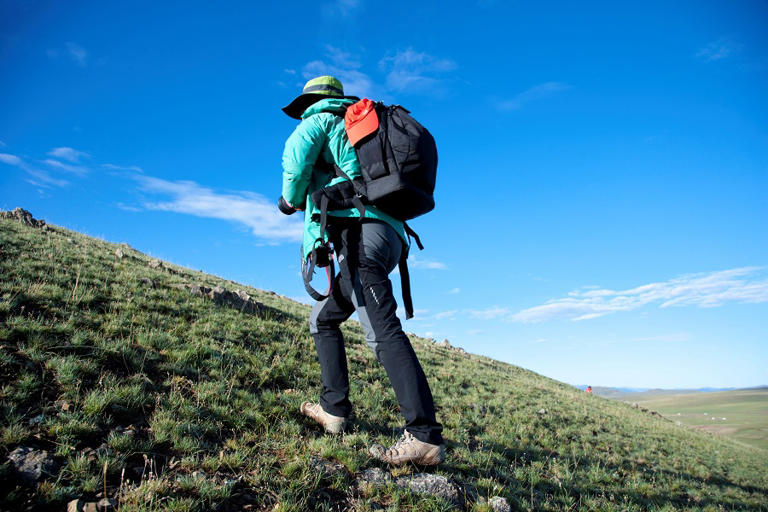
{"points": [[589, 389], [367, 250]]}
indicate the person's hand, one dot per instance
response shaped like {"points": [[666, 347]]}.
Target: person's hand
{"points": [[286, 207]]}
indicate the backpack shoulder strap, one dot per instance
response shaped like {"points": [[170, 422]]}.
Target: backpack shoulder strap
{"points": [[405, 277]]}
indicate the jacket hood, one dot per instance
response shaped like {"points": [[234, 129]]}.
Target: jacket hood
{"points": [[328, 105]]}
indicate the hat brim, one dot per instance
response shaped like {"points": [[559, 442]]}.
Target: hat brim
{"points": [[303, 101]]}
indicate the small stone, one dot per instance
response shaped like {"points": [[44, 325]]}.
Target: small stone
{"points": [[435, 485], [542, 411], [62, 405], [75, 506], [326, 468], [90, 507], [147, 282], [33, 422], [119, 253], [372, 478], [499, 504], [31, 465], [155, 264], [103, 450], [106, 504], [445, 343]]}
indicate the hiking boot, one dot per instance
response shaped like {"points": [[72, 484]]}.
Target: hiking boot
{"points": [[410, 449], [332, 424]]}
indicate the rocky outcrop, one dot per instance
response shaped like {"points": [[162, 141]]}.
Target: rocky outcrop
{"points": [[419, 483], [220, 295], [30, 465], [373, 477], [447, 344], [23, 216], [435, 485], [499, 504], [647, 411]]}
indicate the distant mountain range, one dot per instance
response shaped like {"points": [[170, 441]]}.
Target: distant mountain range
{"points": [[611, 392]]}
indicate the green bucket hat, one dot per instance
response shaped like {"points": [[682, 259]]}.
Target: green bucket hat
{"points": [[315, 90]]}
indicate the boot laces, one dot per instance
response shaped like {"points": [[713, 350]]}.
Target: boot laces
{"points": [[406, 439]]}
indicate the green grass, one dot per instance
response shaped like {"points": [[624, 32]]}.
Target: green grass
{"points": [[740, 414], [172, 402]]}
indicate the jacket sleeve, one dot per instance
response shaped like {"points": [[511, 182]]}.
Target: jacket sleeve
{"points": [[301, 151]]}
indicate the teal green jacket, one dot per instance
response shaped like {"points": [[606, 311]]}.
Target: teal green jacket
{"points": [[322, 133]]}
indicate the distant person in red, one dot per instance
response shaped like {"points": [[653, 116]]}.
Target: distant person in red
{"points": [[589, 389]]}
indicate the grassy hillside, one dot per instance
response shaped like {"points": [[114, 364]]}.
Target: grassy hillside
{"points": [[741, 414], [142, 387]]}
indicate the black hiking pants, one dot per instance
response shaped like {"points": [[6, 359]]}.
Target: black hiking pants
{"points": [[367, 252]]}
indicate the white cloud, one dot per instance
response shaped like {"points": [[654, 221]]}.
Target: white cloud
{"points": [[68, 154], [405, 70], [741, 285], [41, 178], [77, 53], [419, 315], [10, 159], [489, 313], [416, 262], [343, 66], [44, 179], [128, 207], [74, 169], [454, 291], [446, 315], [534, 93], [414, 71], [72, 51], [131, 168], [346, 7], [475, 332], [249, 209], [718, 50]]}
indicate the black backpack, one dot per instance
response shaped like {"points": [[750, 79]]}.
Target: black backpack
{"points": [[399, 168], [399, 164]]}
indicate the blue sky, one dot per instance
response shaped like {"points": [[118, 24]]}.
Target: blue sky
{"points": [[603, 181]]}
